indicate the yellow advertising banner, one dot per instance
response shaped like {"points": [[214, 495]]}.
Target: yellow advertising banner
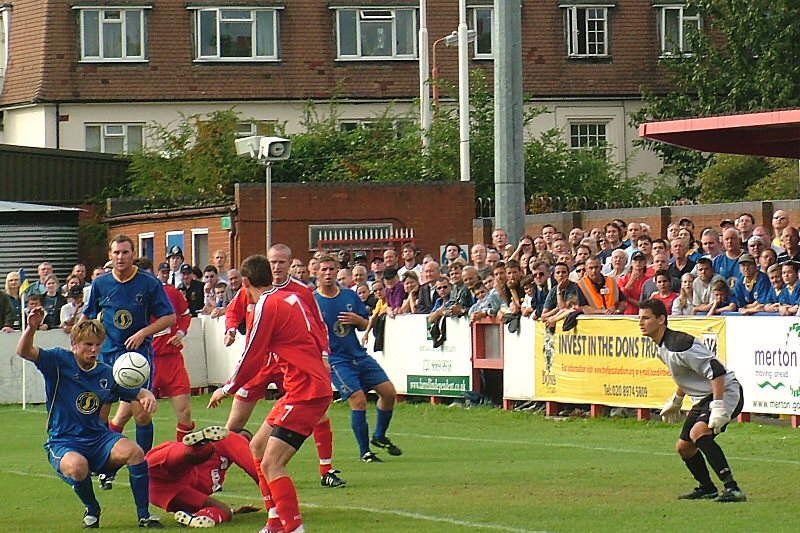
{"points": [[607, 361]]}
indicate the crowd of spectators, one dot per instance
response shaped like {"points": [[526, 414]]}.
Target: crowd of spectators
{"points": [[737, 267], [208, 291]]}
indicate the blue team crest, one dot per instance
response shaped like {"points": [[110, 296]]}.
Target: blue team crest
{"points": [[123, 319], [87, 403], [104, 383], [349, 308], [139, 298]]}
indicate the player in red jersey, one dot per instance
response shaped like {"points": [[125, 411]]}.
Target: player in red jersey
{"points": [[184, 474], [279, 257], [281, 325]]}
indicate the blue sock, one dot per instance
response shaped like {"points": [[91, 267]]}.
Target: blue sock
{"points": [[85, 492], [358, 420], [140, 486], [384, 417], [144, 437]]}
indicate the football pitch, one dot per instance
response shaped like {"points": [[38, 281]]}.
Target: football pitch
{"points": [[477, 470]]}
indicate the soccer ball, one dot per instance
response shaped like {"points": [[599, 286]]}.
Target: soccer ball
{"points": [[131, 370]]}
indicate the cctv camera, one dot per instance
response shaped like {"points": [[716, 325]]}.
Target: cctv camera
{"points": [[274, 149], [249, 145]]}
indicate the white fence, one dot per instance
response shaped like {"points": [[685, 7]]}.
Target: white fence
{"points": [[763, 351]]}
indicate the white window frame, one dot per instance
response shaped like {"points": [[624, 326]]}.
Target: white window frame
{"points": [[106, 133], [682, 19], [371, 13], [168, 234], [101, 11], [195, 233], [143, 237], [571, 29], [605, 123], [218, 57], [5, 15], [474, 21], [249, 128]]}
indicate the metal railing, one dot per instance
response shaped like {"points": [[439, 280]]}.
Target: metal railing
{"points": [[368, 241]]}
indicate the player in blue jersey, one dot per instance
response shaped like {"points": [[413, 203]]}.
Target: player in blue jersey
{"points": [[353, 371], [77, 386], [126, 300]]}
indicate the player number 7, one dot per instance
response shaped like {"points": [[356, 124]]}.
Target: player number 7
{"points": [[288, 410]]}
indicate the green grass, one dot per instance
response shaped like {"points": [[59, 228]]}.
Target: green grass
{"points": [[479, 470]]}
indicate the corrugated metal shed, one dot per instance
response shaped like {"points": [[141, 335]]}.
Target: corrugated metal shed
{"points": [[32, 233], [58, 177]]}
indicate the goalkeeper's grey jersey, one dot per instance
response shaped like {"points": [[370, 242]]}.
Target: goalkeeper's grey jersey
{"points": [[689, 361]]}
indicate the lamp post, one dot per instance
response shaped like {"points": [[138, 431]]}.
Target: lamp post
{"points": [[448, 40], [265, 150]]}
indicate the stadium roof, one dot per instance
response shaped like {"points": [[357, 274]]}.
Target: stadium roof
{"points": [[772, 134]]}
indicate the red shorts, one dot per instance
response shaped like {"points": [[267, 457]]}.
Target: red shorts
{"points": [[169, 472], [300, 416], [171, 378], [256, 388]]}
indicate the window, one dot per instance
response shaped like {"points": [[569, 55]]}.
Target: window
{"points": [[677, 23], [114, 138], [401, 126], [258, 127], [113, 34], [482, 24], [4, 16], [376, 33], [587, 135], [147, 245], [587, 31], [200, 255], [236, 34]]}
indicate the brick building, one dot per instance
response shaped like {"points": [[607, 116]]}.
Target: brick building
{"points": [[92, 74], [301, 213]]}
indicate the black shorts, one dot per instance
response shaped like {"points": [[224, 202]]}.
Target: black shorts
{"points": [[701, 412]]}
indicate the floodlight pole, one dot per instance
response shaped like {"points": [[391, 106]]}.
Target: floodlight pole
{"points": [[268, 203], [463, 91]]}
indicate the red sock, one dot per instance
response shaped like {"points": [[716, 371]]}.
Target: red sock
{"points": [[323, 436], [285, 496], [264, 486], [214, 513], [114, 428], [184, 430]]}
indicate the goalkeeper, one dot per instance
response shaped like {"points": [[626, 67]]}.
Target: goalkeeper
{"points": [[715, 392]]}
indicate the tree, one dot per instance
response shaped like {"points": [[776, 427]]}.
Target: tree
{"points": [[193, 158], [745, 58]]}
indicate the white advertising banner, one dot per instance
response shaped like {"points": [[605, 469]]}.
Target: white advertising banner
{"points": [[763, 352], [417, 368], [519, 361]]}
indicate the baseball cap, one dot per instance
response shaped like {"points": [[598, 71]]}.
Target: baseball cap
{"points": [[360, 255], [75, 292], [725, 223], [377, 259], [163, 266], [744, 258], [174, 250], [186, 269], [389, 273], [637, 255]]}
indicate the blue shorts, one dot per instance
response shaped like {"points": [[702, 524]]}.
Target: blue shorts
{"points": [[96, 449], [354, 374]]}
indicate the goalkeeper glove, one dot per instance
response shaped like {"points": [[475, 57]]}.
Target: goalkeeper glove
{"points": [[669, 413], [719, 417]]}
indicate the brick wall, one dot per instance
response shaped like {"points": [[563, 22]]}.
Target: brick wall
{"points": [[183, 220], [437, 212]]}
